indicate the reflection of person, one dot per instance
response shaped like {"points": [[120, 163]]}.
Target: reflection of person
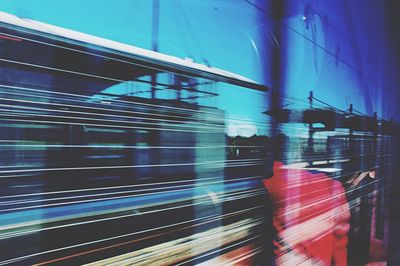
{"points": [[311, 216], [362, 235]]}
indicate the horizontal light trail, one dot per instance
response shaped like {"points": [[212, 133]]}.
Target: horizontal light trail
{"points": [[124, 104], [160, 126], [124, 166], [21, 258], [109, 201], [181, 123], [197, 244], [169, 188], [123, 187], [101, 125], [112, 146], [234, 196], [222, 249], [64, 107]]}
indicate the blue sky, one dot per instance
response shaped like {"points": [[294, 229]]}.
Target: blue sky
{"points": [[334, 49]]}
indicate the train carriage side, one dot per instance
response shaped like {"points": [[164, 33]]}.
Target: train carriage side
{"points": [[96, 170]]}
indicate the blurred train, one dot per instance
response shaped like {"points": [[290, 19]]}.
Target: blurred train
{"points": [[110, 156], [115, 155]]}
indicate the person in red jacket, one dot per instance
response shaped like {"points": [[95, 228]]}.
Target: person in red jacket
{"points": [[310, 215]]}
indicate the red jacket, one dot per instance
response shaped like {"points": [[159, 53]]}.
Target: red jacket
{"points": [[311, 215]]}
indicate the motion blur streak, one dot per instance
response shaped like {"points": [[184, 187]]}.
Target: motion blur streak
{"points": [[96, 170]]}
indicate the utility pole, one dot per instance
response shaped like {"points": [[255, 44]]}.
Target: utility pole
{"points": [[154, 44]]}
